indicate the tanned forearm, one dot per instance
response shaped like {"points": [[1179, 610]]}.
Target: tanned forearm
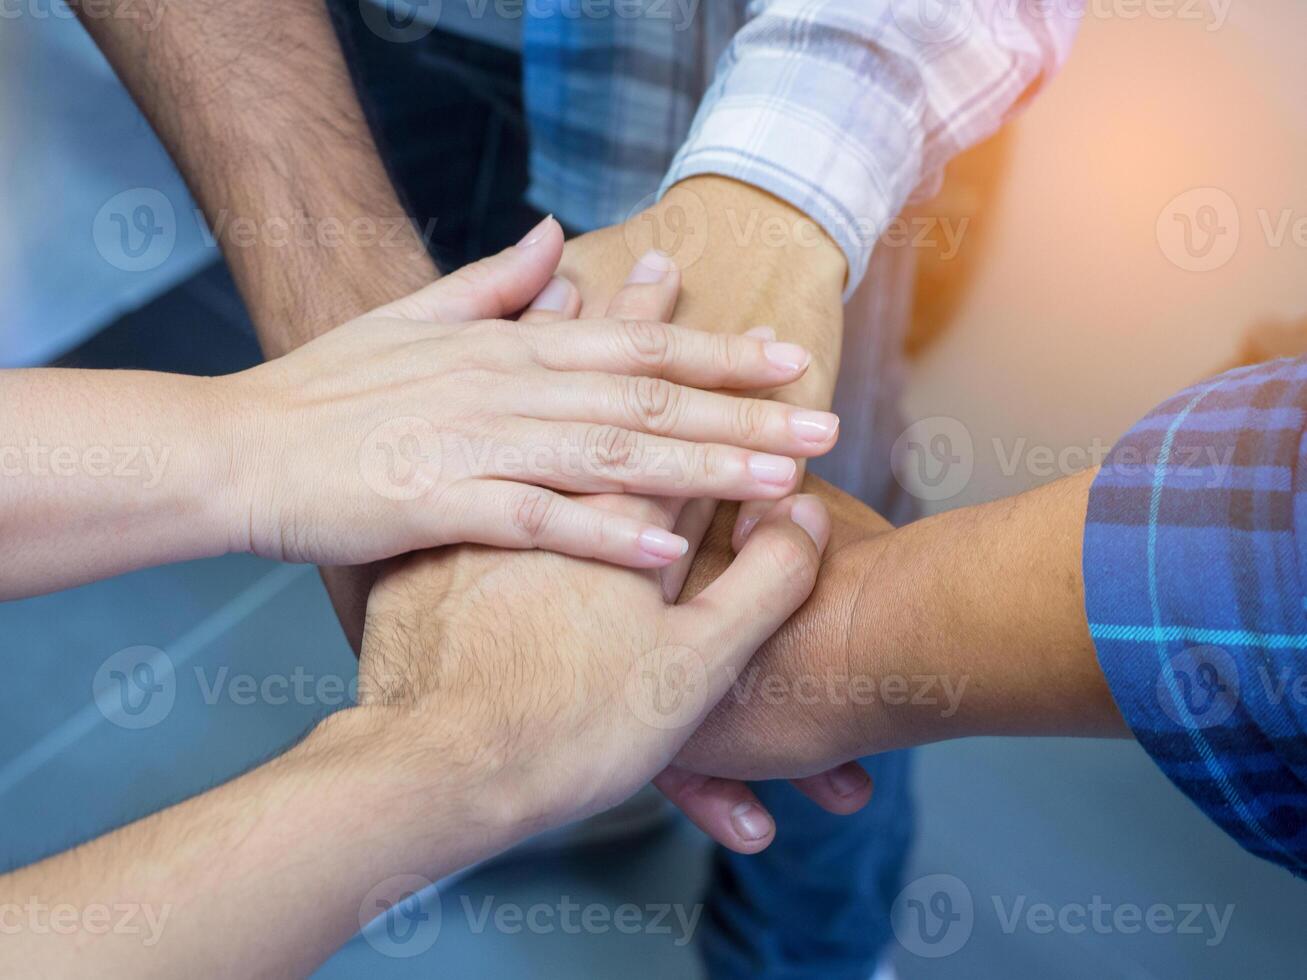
{"points": [[991, 597], [983, 604], [255, 104]]}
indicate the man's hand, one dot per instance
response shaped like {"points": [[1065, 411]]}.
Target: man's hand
{"points": [[574, 699], [967, 623], [746, 260], [792, 712]]}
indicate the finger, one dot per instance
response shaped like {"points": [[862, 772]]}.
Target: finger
{"points": [[724, 809], [661, 350], [662, 408], [651, 290], [513, 515], [751, 512], [559, 300], [581, 457], [845, 789], [495, 287], [691, 524], [694, 522], [763, 586]]}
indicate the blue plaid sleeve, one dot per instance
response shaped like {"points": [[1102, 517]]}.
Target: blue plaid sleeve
{"points": [[1193, 566]]}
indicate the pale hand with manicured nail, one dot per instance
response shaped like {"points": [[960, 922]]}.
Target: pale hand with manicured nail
{"points": [[389, 434]]}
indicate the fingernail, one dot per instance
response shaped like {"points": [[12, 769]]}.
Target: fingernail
{"points": [[791, 357], [535, 234], [849, 780], [750, 822], [652, 267], [776, 470], [663, 544], [553, 298], [809, 514], [761, 333], [746, 528], [814, 426]]}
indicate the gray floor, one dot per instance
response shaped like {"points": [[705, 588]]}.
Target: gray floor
{"points": [[1010, 826]]}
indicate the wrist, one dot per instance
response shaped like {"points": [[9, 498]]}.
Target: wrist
{"points": [[429, 794], [749, 259], [729, 213], [237, 418]]}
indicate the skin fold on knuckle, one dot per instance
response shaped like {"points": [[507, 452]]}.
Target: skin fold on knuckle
{"points": [[653, 404], [612, 452], [649, 345], [531, 514]]}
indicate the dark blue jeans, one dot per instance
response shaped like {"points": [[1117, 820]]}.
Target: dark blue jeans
{"points": [[448, 117]]}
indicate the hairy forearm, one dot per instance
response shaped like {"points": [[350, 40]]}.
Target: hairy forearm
{"points": [[102, 472], [255, 104], [264, 876]]}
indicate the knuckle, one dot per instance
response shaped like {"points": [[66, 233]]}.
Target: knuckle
{"points": [[727, 354], [648, 344], [653, 403], [750, 420], [612, 448], [708, 461], [532, 513]]}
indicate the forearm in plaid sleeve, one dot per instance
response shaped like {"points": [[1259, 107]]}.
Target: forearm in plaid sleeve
{"points": [[1193, 565]]}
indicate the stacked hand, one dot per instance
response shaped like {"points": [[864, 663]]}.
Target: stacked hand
{"points": [[582, 679], [430, 422]]}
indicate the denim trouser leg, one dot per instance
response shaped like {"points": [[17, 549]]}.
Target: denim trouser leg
{"points": [[816, 903]]}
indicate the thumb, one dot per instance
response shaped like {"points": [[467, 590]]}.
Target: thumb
{"points": [[494, 288], [769, 580]]}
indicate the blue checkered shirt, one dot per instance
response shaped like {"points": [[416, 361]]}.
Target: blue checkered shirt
{"points": [[1194, 572], [846, 109]]}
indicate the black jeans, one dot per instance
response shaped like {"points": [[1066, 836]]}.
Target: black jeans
{"points": [[448, 119]]}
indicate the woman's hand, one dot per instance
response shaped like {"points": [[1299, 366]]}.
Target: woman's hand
{"points": [[394, 433]]}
